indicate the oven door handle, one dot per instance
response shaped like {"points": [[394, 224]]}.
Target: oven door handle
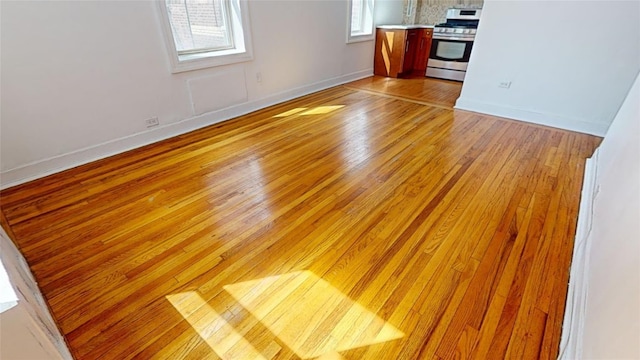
{"points": [[453, 38]]}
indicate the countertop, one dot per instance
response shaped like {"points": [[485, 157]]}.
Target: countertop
{"points": [[405, 27]]}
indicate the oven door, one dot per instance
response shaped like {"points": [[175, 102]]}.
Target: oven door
{"points": [[450, 53]]}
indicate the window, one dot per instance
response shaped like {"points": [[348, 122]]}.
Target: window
{"points": [[205, 33], [200, 26], [360, 20]]}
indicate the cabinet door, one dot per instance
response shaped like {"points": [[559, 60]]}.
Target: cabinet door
{"points": [[389, 52], [411, 44], [423, 50]]}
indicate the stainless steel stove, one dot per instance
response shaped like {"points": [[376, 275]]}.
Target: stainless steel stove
{"points": [[452, 44]]}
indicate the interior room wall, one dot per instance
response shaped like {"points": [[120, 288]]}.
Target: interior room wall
{"points": [[612, 316], [79, 78], [569, 63]]}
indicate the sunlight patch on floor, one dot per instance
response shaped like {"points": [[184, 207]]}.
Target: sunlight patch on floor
{"points": [[313, 111], [290, 112], [211, 326], [298, 310], [309, 315], [322, 110]]}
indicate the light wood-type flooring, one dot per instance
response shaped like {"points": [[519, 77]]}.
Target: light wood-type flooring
{"points": [[342, 224], [423, 90]]}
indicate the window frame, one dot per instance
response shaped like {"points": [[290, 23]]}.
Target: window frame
{"points": [[366, 22], [241, 38]]}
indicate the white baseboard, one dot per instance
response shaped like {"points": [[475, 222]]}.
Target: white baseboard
{"points": [[86, 155], [574, 314], [532, 117]]}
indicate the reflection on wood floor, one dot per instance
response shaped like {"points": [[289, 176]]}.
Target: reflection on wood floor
{"points": [[338, 225]]}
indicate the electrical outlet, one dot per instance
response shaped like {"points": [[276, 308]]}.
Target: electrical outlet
{"points": [[259, 77], [152, 122], [504, 84]]}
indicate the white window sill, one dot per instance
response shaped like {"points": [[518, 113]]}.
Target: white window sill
{"points": [[191, 62], [360, 38]]}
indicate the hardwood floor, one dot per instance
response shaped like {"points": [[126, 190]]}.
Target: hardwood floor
{"points": [[423, 90], [338, 225]]}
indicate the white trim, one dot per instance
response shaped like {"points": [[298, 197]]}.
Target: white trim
{"points": [[360, 38], [242, 38], [552, 120], [52, 165], [574, 313]]}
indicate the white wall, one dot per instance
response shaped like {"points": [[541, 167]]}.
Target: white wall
{"points": [[570, 62], [612, 318], [78, 78]]}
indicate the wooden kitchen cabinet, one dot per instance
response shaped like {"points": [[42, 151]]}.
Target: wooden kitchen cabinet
{"points": [[423, 50], [389, 55], [401, 50], [410, 51]]}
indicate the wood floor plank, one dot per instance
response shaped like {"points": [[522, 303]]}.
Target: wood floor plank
{"points": [[433, 92], [342, 224]]}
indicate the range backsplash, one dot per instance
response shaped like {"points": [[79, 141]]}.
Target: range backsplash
{"points": [[433, 12]]}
